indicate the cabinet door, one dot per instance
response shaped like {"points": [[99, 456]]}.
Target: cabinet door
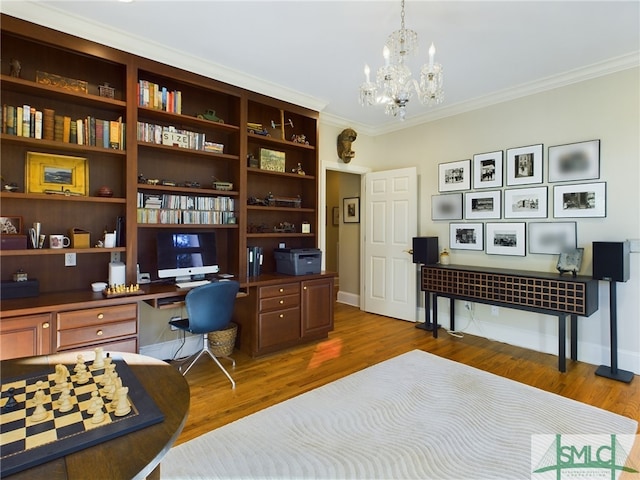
{"points": [[317, 306], [25, 336]]}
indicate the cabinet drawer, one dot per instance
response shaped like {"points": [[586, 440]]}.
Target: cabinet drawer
{"points": [[96, 316], [96, 333], [279, 327], [279, 290], [276, 303]]}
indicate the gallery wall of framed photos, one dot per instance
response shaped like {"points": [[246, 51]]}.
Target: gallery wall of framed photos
{"points": [[523, 213]]}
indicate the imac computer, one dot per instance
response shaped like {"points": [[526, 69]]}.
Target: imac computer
{"points": [[186, 256]]}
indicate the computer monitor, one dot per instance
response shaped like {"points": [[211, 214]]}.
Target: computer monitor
{"points": [[186, 255]]}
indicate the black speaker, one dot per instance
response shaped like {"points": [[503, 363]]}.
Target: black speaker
{"points": [[611, 261], [425, 250]]}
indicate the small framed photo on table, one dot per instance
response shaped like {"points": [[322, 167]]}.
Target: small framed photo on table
{"points": [[524, 165], [11, 225]]}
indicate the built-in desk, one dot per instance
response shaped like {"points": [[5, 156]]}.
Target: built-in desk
{"points": [[540, 292]]}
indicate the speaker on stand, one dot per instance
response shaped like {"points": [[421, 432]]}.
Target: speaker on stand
{"points": [[425, 252], [611, 263]]}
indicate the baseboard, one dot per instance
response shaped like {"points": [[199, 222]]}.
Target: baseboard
{"points": [[167, 350], [349, 298]]}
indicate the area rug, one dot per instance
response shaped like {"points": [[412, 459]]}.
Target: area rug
{"points": [[413, 416]]}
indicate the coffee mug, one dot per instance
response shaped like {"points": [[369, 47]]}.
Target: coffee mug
{"points": [[59, 241]]}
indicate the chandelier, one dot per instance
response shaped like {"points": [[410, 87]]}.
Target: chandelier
{"points": [[394, 86]]}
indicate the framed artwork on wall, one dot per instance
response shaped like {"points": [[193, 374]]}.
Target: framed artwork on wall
{"points": [[525, 202], [552, 238], [580, 200], [49, 173], [446, 207], [351, 210], [574, 161], [482, 205], [466, 236], [11, 225], [524, 165], [454, 176], [506, 239], [487, 170]]}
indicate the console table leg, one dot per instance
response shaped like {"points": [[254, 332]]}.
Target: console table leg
{"points": [[562, 339], [574, 337], [428, 321]]}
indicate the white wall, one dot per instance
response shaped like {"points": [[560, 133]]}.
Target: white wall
{"points": [[605, 108]]}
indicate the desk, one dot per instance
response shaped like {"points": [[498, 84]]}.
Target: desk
{"points": [[136, 455], [540, 292]]}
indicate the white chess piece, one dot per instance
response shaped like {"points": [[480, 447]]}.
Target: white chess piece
{"points": [[40, 413], [65, 399], [98, 363], [122, 402]]}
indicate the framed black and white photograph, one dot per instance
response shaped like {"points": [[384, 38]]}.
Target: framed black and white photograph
{"points": [[525, 202], [454, 176], [446, 207], [580, 200], [482, 205], [466, 236], [487, 170], [351, 210], [524, 165], [506, 239], [574, 161], [552, 238]]}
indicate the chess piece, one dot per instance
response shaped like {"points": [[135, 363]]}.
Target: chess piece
{"points": [[12, 404], [65, 399], [60, 378], [93, 405], [122, 402], [39, 413], [98, 416], [82, 376], [98, 363], [80, 364]]}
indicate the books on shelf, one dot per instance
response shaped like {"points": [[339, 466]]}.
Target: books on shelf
{"points": [[172, 136], [184, 209], [152, 95], [27, 121]]}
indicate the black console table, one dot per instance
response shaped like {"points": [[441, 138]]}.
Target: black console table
{"points": [[539, 292]]}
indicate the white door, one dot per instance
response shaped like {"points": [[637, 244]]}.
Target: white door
{"points": [[390, 223]]}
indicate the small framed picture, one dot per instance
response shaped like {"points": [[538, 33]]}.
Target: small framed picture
{"points": [[580, 200], [454, 176], [11, 225], [570, 261], [479, 205], [552, 238], [466, 236], [351, 210], [487, 170], [574, 161], [446, 207], [49, 173], [524, 165], [335, 216], [525, 202], [506, 239]]}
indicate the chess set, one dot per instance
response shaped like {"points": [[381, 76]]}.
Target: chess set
{"points": [[61, 411]]}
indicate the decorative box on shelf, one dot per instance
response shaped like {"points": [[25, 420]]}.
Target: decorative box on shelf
{"points": [[65, 83], [79, 238]]}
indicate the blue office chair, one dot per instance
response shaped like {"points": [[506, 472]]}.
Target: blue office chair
{"points": [[209, 308]]}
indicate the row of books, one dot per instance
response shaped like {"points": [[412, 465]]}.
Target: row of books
{"points": [[152, 95], [254, 261], [172, 136], [187, 217], [27, 121], [185, 202]]}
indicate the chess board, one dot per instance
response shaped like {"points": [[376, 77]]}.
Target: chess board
{"points": [[25, 443]]}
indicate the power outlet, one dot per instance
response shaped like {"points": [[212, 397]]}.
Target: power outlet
{"points": [[468, 306], [69, 259], [173, 327], [495, 311]]}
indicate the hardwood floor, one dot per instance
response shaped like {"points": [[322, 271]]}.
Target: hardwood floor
{"points": [[360, 340]]}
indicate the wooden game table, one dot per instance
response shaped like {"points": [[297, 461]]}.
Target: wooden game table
{"points": [[136, 455]]}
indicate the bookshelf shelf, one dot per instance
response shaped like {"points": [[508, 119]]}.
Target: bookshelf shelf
{"points": [[36, 252]]}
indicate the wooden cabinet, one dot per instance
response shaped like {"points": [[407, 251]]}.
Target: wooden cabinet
{"points": [[26, 336], [287, 312], [87, 328]]}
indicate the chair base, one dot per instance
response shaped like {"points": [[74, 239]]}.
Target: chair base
{"points": [[206, 349]]}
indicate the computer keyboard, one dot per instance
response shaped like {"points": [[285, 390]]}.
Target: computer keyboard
{"points": [[195, 283]]}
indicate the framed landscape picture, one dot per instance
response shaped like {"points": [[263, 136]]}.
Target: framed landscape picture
{"points": [[525, 202], [48, 173], [574, 161], [552, 238], [487, 170], [482, 205], [506, 239], [454, 176], [446, 207], [580, 200], [466, 236], [524, 165]]}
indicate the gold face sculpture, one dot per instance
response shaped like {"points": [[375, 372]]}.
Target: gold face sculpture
{"points": [[346, 137]]}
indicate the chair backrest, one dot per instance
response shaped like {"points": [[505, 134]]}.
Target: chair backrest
{"points": [[210, 307]]}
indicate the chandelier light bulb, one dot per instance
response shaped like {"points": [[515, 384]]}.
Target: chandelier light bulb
{"points": [[432, 54], [367, 73], [386, 54]]}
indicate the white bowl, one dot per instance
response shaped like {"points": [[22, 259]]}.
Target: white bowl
{"points": [[98, 286]]}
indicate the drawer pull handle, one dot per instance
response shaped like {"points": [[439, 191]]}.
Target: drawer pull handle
{"points": [[45, 325], [281, 290], [99, 333], [304, 288], [281, 302], [282, 315], [100, 316]]}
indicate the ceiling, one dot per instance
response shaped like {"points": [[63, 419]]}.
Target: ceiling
{"points": [[313, 52]]}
